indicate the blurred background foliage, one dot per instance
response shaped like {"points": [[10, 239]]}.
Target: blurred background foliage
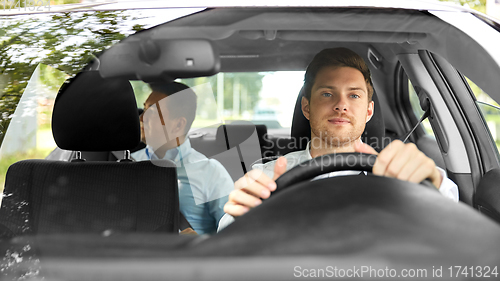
{"points": [[478, 5], [60, 45]]}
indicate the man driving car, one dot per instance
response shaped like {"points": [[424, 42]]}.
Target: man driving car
{"points": [[338, 103]]}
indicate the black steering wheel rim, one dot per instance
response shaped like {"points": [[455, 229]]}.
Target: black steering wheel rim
{"points": [[329, 163]]}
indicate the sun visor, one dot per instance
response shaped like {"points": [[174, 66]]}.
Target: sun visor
{"points": [[95, 114], [166, 60]]}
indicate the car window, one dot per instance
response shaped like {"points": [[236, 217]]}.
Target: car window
{"points": [[418, 111], [259, 97], [266, 98], [29, 134], [490, 111]]}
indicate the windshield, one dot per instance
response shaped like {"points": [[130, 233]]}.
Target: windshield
{"points": [[122, 134]]}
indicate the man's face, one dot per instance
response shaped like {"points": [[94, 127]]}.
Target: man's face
{"points": [[338, 109], [158, 129]]}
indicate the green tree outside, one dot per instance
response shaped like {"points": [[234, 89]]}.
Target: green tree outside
{"points": [[66, 42], [478, 5], [63, 41]]}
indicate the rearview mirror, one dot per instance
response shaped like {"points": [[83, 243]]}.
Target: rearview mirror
{"points": [[153, 60]]}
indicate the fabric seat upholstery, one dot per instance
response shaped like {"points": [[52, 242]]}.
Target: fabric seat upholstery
{"points": [[43, 196], [78, 197], [238, 146]]}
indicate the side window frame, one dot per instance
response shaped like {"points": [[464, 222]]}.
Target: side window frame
{"points": [[464, 100], [481, 114]]}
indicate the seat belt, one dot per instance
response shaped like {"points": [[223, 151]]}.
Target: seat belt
{"points": [[426, 114]]}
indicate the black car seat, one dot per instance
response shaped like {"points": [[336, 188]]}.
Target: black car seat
{"points": [[372, 135], [241, 145], [236, 146], [487, 196], [68, 155], [43, 196], [234, 134]]}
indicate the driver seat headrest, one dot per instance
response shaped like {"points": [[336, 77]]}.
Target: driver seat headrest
{"points": [[373, 134]]}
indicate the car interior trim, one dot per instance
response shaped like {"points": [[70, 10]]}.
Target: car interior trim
{"points": [[403, 104], [472, 150], [475, 64], [419, 76]]}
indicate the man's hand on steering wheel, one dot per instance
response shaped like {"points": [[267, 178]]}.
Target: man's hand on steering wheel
{"points": [[398, 160], [404, 162], [250, 189]]}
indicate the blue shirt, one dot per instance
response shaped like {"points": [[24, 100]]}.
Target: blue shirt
{"points": [[204, 185]]}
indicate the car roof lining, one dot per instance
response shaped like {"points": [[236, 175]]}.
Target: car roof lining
{"points": [[286, 38], [374, 25]]}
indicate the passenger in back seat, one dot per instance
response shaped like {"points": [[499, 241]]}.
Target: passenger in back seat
{"points": [[204, 184]]}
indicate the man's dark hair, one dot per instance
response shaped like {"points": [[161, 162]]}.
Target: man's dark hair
{"points": [[184, 104], [336, 57]]}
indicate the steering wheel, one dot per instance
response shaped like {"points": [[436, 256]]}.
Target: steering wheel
{"points": [[330, 163]]}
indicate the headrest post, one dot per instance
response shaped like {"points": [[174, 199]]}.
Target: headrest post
{"points": [[126, 156], [78, 157]]}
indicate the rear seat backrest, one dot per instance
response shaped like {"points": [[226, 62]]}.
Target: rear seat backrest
{"points": [[232, 135], [236, 147], [246, 141]]}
